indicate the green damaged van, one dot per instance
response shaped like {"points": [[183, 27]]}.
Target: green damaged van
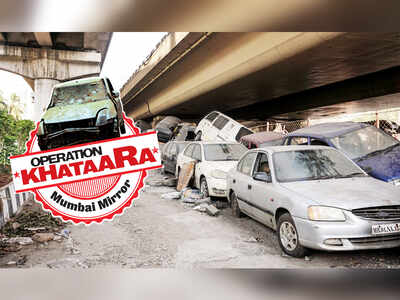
{"points": [[81, 111]]}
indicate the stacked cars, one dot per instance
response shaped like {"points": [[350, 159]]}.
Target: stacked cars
{"points": [[312, 186]]}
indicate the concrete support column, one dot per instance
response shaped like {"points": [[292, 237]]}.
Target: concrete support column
{"points": [[43, 89]]}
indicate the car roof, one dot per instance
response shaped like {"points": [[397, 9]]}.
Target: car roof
{"points": [[292, 148], [261, 137], [79, 81], [328, 130]]}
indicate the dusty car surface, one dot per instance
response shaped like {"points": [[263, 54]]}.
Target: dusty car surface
{"points": [[184, 132], [315, 197], [218, 127], [213, 161], [262, 139], [372, 149], [169, 155], [165, 128], [80, 111]]}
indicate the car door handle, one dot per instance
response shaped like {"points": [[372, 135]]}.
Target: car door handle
{"points": [[249, 187], [234, 181]]}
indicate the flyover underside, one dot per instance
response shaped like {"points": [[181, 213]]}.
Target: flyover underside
{"points": [[342, 73]]}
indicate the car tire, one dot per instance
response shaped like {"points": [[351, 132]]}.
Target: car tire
{"points": [[204, 187], [288, 237], [236, 212], [198, 136]]}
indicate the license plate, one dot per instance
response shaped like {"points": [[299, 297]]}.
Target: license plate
{"points": [[386, 228]]}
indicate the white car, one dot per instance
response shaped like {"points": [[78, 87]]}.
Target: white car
{"points": [[219, 127], [315, 197], [213, 161]]}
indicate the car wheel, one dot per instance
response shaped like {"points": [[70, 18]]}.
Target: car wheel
{"points": [[288, 237], [198, 136], [235, 206], [204, 187]]}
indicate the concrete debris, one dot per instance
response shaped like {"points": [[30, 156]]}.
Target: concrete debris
{"points": [[201, 207], [191, 196], [221, 204], [165, 181], [172, 195], [15, 225], [43, 237], [20, 241], [36, 228], [307, 258], [58, 238], [203, 200], [185, 175], [212, 210], [11, 263]]}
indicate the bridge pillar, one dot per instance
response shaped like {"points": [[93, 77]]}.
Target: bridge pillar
{"points": [[43, 88], [46, 67]]}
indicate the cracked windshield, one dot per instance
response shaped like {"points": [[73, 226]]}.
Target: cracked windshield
{"points": [[78, 94]]}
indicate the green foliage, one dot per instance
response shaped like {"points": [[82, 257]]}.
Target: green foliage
{"points": [[13, 132]]}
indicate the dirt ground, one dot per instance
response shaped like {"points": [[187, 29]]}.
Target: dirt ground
{"points": [[161, 233]]}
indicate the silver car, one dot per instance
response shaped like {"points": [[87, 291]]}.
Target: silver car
{"points": [[315, 197]]}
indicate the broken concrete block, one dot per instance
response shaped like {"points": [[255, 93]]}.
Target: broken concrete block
{"points": [[43, 237], [204, 200], [20, 241], [212, 210], [15, 225], [191, 196], [172, 195], [201, 207]]}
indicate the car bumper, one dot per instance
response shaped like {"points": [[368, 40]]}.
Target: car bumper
{"points": [[354, 234], [216, 187]]}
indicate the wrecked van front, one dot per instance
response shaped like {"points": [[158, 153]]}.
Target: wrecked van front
{"points": [[80, 111]]}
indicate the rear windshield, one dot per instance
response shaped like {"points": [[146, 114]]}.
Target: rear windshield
{"points": [[242, 132], [78, 94]]}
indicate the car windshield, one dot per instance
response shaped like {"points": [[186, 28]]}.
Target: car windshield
{"points": [[299, 165], [78, 94], [215, 152], [364, 141], [277, 142]]}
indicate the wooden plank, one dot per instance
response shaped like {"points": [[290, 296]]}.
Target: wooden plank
{"points": [[185, 175]]}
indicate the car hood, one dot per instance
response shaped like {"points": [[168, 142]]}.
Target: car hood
{"points": [[73, 112], [385, 165], [347, 193], [219, 165]]}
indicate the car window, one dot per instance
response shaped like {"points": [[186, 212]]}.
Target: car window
{"points": [[242, 132], [189, 150], [262, 164], [212, 116], [317, 142], [298, 140], [196, 152], [277, 142], [246, 163], [166, 149], [220, 122], [173, 150], [78, 94]]}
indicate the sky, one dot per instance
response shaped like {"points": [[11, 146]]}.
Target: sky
{"points": [[126, 53]]}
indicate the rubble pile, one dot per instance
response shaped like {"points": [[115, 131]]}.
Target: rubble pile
{"points": [[30, 225]]}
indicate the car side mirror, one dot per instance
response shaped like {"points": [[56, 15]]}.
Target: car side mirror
{"points": [[262, 176]]}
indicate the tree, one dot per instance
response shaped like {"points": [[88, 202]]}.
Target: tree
{"points": [[15, 106], [13, 132]]}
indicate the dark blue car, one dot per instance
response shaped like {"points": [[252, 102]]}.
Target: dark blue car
{"points": [[372, 149]]}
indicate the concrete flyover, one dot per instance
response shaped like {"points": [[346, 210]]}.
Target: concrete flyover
{"points": [[261, 75], [46, 58]]}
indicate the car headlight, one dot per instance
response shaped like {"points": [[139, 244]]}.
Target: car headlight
{"points": [[104, 116], [218, 174], [41, 128], [325, 213], [395, 182]]}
